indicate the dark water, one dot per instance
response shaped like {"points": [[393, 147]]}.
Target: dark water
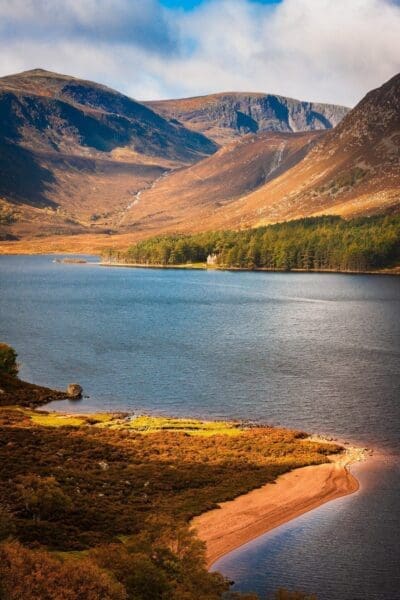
{"points": [[318, 352]]}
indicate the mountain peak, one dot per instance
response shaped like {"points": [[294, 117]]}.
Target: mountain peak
{"points": [[37, 71]]}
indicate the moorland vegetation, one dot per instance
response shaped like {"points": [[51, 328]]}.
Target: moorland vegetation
{"points": [[98, 507]]}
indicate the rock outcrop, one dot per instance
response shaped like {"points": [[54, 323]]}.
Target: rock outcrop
{"points": [[74, 391], [225, 116]]}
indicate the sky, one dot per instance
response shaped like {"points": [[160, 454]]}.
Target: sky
{"points": [[318, 50]]}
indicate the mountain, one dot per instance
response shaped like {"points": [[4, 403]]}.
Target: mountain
{"points": [[190, 197], [224, 117], [80, 150], [353, 169], [57, 112], [78, 158]]}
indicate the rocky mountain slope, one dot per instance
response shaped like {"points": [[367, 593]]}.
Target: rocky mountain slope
{"points": [[351, 170], [59, 112], [224, 117], [79, 150]]}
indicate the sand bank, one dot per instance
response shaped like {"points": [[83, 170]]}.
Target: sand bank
{"points": [[241, 520]]}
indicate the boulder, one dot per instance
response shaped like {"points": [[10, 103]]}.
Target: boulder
{"points": [[74, 390]]}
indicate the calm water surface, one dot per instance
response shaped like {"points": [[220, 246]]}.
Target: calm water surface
{"points": [[313, 351]]}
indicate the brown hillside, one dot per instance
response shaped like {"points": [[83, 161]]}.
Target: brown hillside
{"points": [[80, 151], [189, 198], [351, 170], [354, 169]]}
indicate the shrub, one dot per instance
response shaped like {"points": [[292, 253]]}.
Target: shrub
{"points": [[42, 496], [36, 575], [8, 360], [140, 576]]}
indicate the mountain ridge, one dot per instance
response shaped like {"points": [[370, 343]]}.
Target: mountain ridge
{"points": [[128, 119], [79, 158], [226, 115]]}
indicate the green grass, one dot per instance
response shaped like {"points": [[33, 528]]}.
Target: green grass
{"points": [[140, 424], [148, 424], [56, 420]]}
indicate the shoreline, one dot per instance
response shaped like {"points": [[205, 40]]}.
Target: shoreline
{"points": [[247, 517], [204, 267], [236, 522]]}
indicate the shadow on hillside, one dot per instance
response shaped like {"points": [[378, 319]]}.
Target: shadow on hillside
{"points": [[22, 178]]}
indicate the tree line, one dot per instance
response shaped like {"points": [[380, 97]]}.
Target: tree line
{"points": [[314, 243]]}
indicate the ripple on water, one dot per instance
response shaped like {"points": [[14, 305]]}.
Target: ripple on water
{"points": [[320, 352]]}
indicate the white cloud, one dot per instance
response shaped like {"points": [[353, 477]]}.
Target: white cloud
{"points": [[141, 23], [322, 50]]}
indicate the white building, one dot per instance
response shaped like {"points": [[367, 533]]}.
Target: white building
{"points": [[212, 259]]}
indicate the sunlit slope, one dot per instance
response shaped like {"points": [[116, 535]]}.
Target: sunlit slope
{"points": [[198, 196], [55, 182], [353, 170]]}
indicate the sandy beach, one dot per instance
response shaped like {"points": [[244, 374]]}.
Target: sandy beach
{"points": [[245, 518]]}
